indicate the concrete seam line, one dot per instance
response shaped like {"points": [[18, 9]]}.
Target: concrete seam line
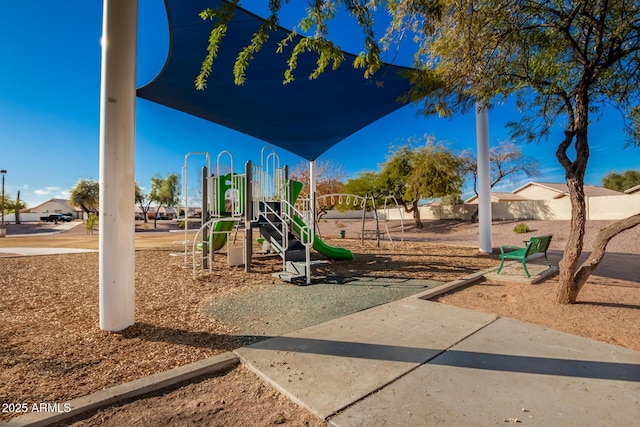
{"points": [[128, 390]]}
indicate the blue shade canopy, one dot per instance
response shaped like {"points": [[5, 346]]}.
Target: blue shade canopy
{"points": [[305, 117]]}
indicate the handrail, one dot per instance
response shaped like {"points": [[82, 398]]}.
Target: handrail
{"points": [[218, 161], [284, 233], [211, 234], [185, 187], [306, 234]]}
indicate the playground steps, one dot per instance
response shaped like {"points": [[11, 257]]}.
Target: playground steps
{"points": [[296, 270], [295, 251], [186, 249]]}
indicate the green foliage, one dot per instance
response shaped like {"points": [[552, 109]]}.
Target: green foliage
{"points": [[92, 220], [11, 205], [426, 172], [143, 201], [562, 61], [325, 50], [314, 32], [165, 192], [139, 195], [412, 174], [521, 228], [546, 53], [222, 16], [365, 183], [86, 195], [621, 182], [454, 199]]}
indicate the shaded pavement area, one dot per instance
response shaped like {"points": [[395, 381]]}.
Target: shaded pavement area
{"points": [[416, 362]]}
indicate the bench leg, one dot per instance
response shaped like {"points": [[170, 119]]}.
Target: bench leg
{"points": [[501, 264], [547, 259], [524, 265]]}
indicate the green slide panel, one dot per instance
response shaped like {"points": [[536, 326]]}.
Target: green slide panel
{"points": [[220, 236], [320, 246]]}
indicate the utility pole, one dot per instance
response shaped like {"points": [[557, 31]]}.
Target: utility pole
{"points": [[3, 230]]}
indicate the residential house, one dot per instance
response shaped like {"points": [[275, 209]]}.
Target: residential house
{"points": [[498, 197], [163, 212], [633, 190], [548, 191], [51, 206], [544, 191]]}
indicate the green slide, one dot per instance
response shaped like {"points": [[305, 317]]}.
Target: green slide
{"points": [[220, 236], [320, 246]]}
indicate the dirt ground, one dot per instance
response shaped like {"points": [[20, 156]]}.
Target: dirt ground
{"points": [[52, 350]]}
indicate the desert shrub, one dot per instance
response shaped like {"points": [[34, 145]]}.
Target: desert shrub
{"points": [[521, 228], [92, 220]]}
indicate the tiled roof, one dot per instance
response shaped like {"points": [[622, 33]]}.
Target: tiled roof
{"points": [[632, 190]]}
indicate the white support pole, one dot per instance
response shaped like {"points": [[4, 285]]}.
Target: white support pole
{"points": [[117, 166], [312, 193], [484, 178]]}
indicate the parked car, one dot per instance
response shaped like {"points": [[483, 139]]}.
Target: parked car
{"points": [[56, 217]]}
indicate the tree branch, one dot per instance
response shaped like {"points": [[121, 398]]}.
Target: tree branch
{"points": [[600, 245]]}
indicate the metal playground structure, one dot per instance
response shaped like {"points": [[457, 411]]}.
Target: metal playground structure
{"points": [[261, 198]]}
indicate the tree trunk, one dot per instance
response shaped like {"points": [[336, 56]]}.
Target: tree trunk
{"points": [[16, 211], [145, 211], [416, 215], [155, 219], [415, 211], [568, 291], [574, 174], [474, 216], [599, 247]]}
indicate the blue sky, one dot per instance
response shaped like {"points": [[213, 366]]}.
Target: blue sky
{"points": [[50, 103]]}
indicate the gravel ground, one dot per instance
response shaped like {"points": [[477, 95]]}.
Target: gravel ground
{"points": [[270, 310]]}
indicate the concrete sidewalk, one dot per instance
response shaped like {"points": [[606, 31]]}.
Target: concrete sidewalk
{"points": [[417, 362], [19, 251]]}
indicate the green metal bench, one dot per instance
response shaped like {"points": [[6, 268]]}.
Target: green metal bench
{"points": [[535, 245]]}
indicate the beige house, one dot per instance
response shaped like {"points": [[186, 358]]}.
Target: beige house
{"points": [[544, 191], [51, 206], [633, 190], [497, 197], [62, 206], [549, 191], [164, 212]]}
